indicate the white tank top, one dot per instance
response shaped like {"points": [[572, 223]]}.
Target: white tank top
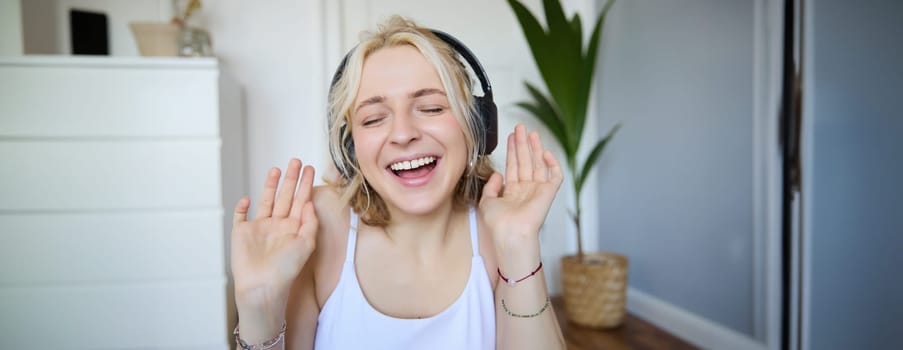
{"points": [[348, 321]]}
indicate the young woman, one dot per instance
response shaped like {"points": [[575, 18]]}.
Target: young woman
{"points": [[407, 249]]}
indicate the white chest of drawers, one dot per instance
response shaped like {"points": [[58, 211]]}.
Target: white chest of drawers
{"points": [[117, 180]]}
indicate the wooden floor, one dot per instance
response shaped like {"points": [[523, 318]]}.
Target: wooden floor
{"points": [[635, 333]]}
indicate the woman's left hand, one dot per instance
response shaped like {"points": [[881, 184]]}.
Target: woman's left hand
{"points": [[516, 211]]}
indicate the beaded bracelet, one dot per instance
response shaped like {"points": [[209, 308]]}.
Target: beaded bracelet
{"points": [[544, 307], [515, 282], [262, 346]]}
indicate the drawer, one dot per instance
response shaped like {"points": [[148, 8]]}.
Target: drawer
{"points": [[93, 100], [110, 175], [116, 247], [186, 315]]}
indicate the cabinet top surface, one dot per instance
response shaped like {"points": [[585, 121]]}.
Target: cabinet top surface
{"points": [[110, 61]]}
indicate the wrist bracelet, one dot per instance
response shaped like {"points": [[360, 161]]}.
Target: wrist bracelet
{"points": [[262, 346], [515, 282], [544, 307]]}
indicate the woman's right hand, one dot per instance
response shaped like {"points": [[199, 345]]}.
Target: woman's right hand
{"points": [[269, 251]]}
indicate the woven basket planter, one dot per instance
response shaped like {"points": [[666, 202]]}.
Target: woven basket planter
{"points": [[595, 291]]}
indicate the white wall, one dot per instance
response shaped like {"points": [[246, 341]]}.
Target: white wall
{"points": [[676, 184], [852, 166], [274, 49], [10, 28]]}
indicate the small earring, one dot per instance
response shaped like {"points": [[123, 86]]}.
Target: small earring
{"points": [[367, 192]]}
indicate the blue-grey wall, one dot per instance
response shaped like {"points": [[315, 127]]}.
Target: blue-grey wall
{"points": [[855, 173], [675, 185]]}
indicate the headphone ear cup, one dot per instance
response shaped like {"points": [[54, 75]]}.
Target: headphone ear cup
{"points": [[349, 148], [488, 115], [348, 145]]}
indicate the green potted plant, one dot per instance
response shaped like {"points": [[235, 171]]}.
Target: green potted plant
{"points": [[594, 284]]}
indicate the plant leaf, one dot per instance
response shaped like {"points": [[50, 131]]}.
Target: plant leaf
{"points": [[560, 71], [555, 64], [537, 39], [594, 156], [567, 71], [550, 117], [587, 69], [577, 29]]}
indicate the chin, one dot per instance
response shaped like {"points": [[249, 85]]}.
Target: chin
{"points": [[418, 205]]}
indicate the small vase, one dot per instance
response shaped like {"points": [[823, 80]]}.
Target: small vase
{"points": [[194, 42]]}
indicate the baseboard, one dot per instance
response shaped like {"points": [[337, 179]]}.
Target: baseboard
{"points": [[687, 326]]}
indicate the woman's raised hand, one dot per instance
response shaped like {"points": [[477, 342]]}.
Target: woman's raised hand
{"points": [[516, 211], [269, 251]]}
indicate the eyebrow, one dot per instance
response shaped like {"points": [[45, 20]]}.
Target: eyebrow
{"points": [[370, 101], [380, 99], [424, 92]]}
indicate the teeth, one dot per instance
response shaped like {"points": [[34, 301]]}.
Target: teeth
{"points": [[412, 164]]}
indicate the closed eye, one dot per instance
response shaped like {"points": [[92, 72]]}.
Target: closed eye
{"points": [[436, 110], [372, 121]]}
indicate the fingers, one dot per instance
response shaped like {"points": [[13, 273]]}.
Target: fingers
{"points": [[287, 190], [493, 187], [306, 234], [511, 161], [540, 171], [310, 222], [554, 167], [241, 210], [524, 158], [305, 189], [265, 208]]}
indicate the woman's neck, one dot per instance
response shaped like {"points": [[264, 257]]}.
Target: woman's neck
{"points": [[429, 231]]}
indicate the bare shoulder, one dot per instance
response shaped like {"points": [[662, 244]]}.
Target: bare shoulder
{"points": [[333, 218], [320, 274], [332, 237], [328, 204], [487, 250], [307, 292]]}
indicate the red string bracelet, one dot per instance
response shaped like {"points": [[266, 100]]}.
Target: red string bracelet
{"points": [[513, 283]]}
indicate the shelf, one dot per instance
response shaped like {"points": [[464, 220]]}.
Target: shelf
{"points": [[111, 61]]}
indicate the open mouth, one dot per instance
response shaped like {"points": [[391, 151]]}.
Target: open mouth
{"points": [[415, 168]]}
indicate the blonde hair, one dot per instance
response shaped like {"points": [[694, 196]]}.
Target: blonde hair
{"points": [[398, 31]]}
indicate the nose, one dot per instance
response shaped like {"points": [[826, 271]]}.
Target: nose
{"points": [[404, 129]]}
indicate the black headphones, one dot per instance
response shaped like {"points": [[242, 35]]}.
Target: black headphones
{"points": [[487, 113]]}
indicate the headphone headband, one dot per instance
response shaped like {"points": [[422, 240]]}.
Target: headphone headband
{"points": [[470, 58]]}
